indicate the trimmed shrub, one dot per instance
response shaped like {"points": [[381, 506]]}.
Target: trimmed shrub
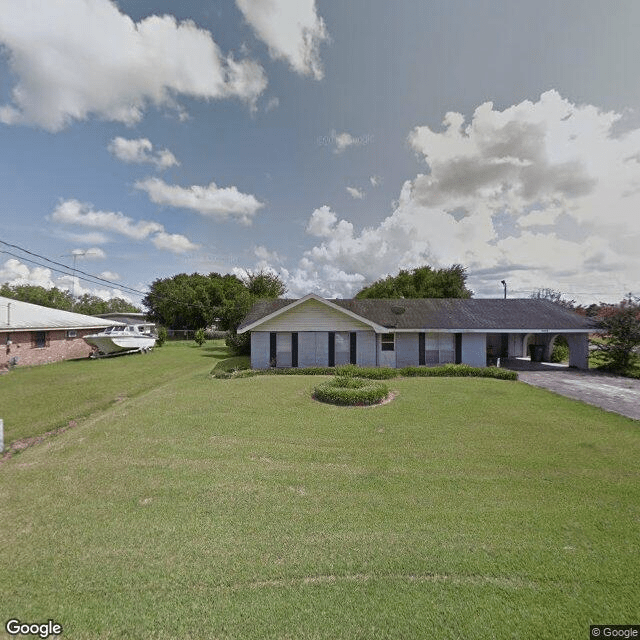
{"points": [[458, 371], [162, 336], [200, 337], [305, 371], [372, 373], [229, 365], [245, 372], [240, 344], [349, 391]]}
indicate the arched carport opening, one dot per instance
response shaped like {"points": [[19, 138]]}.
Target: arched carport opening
{"points": [[577, 345]]}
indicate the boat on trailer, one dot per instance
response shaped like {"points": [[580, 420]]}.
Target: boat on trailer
{"points": [[123, 339]]}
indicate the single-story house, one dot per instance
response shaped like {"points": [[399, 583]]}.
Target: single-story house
{"points": [[31, 334], [314, 331]]}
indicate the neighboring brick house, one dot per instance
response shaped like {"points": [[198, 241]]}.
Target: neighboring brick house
{"points": [[313, 331], [31, 334]]}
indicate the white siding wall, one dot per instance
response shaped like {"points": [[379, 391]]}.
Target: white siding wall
{"points": [[407, 345], [259, 349], [578, 350], [366, 349], [313, 348], [474, 349], [313, 316]]}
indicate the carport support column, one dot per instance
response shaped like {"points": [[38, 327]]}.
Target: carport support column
{"points": [[546, 339], [578, 350]]}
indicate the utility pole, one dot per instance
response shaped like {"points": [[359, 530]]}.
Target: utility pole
{"points": [[74, 255]]}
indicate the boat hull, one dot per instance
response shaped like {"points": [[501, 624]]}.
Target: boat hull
{"points": [[116, 340], [109, 344]]}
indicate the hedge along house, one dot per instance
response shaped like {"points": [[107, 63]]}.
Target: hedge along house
{"points": [[31, 334], [313, 331]]}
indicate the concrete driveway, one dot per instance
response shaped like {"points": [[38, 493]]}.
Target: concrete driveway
{"points": [[612, 393]]}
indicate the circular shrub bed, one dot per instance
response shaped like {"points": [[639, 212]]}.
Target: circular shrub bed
{"points": [[351, 391]]}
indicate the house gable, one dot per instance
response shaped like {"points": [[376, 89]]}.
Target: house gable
{"points": [[312, 315]]}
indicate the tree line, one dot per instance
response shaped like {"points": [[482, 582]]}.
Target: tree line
{"points": [[55, 298]]}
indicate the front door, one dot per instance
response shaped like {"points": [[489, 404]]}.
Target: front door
{"points": [[387, 350]]}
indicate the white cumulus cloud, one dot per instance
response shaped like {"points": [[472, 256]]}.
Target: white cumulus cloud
{"points": [[542, 194], [292, 29], [82, 58], [82, 214], [355, 193], [139, 151], [212, 201], [14, 272]]}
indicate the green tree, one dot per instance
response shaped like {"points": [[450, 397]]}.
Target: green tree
{"points": [[188, 301], [553, 296], [195, 301], [93, 305], [264, 285], [621, 326], [59, 299], [422, 282], [54, 298]]}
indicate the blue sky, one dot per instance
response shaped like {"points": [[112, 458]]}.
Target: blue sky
{"points": [[331, 142]]}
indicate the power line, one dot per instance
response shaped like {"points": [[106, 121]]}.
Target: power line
{"points": [[97, 280], [68, 269]]}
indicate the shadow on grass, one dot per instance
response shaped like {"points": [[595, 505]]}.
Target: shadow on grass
{"points": [[214, 351]]}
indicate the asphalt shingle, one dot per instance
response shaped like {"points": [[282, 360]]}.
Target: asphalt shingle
{"points": [[426, 314]]}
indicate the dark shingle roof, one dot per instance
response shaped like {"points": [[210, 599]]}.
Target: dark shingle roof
{"points": [[451, 313]]}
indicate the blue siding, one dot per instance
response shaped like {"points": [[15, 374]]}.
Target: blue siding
{"points": [[366, 348], [259, 349], [313, 348], [407, 350]]}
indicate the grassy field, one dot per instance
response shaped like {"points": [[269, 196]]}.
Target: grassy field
{"points": [[202, 508], [34, 400]]}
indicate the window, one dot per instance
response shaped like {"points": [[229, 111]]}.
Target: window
{"points": [[72, 333], [439, 348], [387, 341], [40, 339]]}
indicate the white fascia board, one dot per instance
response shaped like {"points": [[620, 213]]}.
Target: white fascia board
{"points": [[312, 296], [436, 330]]}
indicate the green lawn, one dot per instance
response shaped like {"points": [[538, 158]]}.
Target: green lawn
{"points": [[34, 400], [204, 508]]}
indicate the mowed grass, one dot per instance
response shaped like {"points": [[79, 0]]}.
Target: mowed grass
{"points": [[34, 400], [203, 508]]}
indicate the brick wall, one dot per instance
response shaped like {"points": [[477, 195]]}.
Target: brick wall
{"points": [[57, 347]]}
